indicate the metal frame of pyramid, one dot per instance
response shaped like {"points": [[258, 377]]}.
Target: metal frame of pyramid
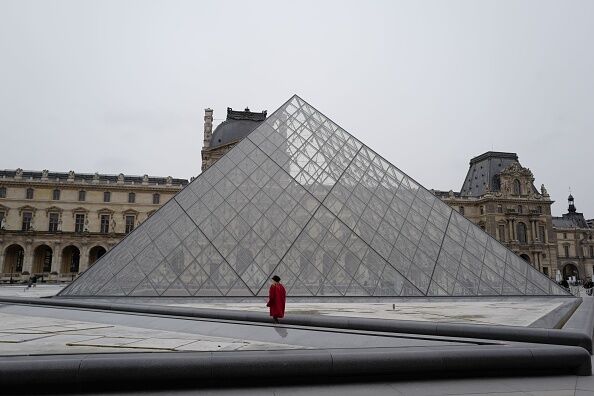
{"points": [[302, 198]]}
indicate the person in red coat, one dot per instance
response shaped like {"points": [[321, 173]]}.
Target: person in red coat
{"points": [[277, 296]]}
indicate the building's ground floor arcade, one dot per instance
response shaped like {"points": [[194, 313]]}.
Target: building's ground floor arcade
{"points": [[51, 260]]}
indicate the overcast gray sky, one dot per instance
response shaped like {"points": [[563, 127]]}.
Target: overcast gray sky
{"points": [[121, 86]]}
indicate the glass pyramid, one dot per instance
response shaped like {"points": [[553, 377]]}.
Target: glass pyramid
{"points": [[302, 198]]}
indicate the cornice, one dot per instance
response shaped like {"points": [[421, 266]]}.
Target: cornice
{"points": [[89, 186]]}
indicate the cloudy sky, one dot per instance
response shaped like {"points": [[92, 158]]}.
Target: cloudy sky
{"points": [[121, 86]]}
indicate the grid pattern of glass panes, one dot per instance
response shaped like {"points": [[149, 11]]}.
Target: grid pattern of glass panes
{"points": [[302, 198]]}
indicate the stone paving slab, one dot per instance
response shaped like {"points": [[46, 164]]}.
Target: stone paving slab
{"points": [[521, 312], [39, 335]]}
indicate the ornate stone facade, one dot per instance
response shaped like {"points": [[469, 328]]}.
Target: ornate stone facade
{"points": [[575, 237], [498, 194], [55, 225]]}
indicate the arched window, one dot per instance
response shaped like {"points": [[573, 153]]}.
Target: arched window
{"points": [[496, 183], [521, 231], [517, 187]]}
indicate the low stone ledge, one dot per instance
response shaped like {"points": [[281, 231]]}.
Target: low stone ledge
{"points": [[195, 370]]}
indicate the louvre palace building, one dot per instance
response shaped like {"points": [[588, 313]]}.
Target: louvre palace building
{"points": [[55, 225]]}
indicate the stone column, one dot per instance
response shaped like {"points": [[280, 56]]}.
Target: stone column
{"points": [[28, 258], [57, 258], [84, 259]]}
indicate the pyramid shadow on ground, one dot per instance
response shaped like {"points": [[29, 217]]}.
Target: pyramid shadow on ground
{"points": [[302, 198]]}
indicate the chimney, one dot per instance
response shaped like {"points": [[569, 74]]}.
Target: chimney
{"points": [[207, 127]]}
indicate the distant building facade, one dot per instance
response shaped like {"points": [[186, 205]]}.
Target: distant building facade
{"points": [[56, 225], [499, 196], [227, 134], [575, 243]]}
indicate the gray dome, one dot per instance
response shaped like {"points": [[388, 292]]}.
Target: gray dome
{"points": [[230, 131]]}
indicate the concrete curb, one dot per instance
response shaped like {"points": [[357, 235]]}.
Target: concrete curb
{"points": [[577, 336], [136, 371]]}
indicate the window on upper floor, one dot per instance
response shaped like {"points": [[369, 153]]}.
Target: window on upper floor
{"points": [[461, 210], [482, 209], [106, 196], [520, 209], [517, 187], [56, 195], [566, 250], [2, 192], [2, 215], [27, 220], [521, 231], [79, 222], [564, 235], [156, 199], [82, 195], [54, 220], [105, 223], [541, 234], [29, 193], [499, 209], [501, 228], [131, 197], [130, 220], [591, 251]]}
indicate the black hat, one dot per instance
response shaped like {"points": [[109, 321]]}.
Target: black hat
{"points": [[276, 278]]}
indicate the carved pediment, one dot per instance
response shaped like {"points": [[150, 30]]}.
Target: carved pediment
{"points": [[27, 208], [53, 209], [105, 211], [130, 212], [517, 170]]}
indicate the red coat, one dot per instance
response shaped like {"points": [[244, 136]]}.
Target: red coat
{"points": [[277, 295]]}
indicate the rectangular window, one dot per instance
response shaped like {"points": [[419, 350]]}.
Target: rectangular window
{"points": [[541, 234], [54, 220], [482, 210], [1, 219], [82, 195], [545, 270], [461, 210], [79, 222], [2, 192], [29, 193], [130, 223], [501, 232], [156, 199], [56, 195], [105, 224], [499, 209], [106, 196], [27, 219], [591, 247], [131, 197], [564, 235], [566, 250]]}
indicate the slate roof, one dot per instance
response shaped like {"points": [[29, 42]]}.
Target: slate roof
{"points": [[236, 127], [483, 170]]}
